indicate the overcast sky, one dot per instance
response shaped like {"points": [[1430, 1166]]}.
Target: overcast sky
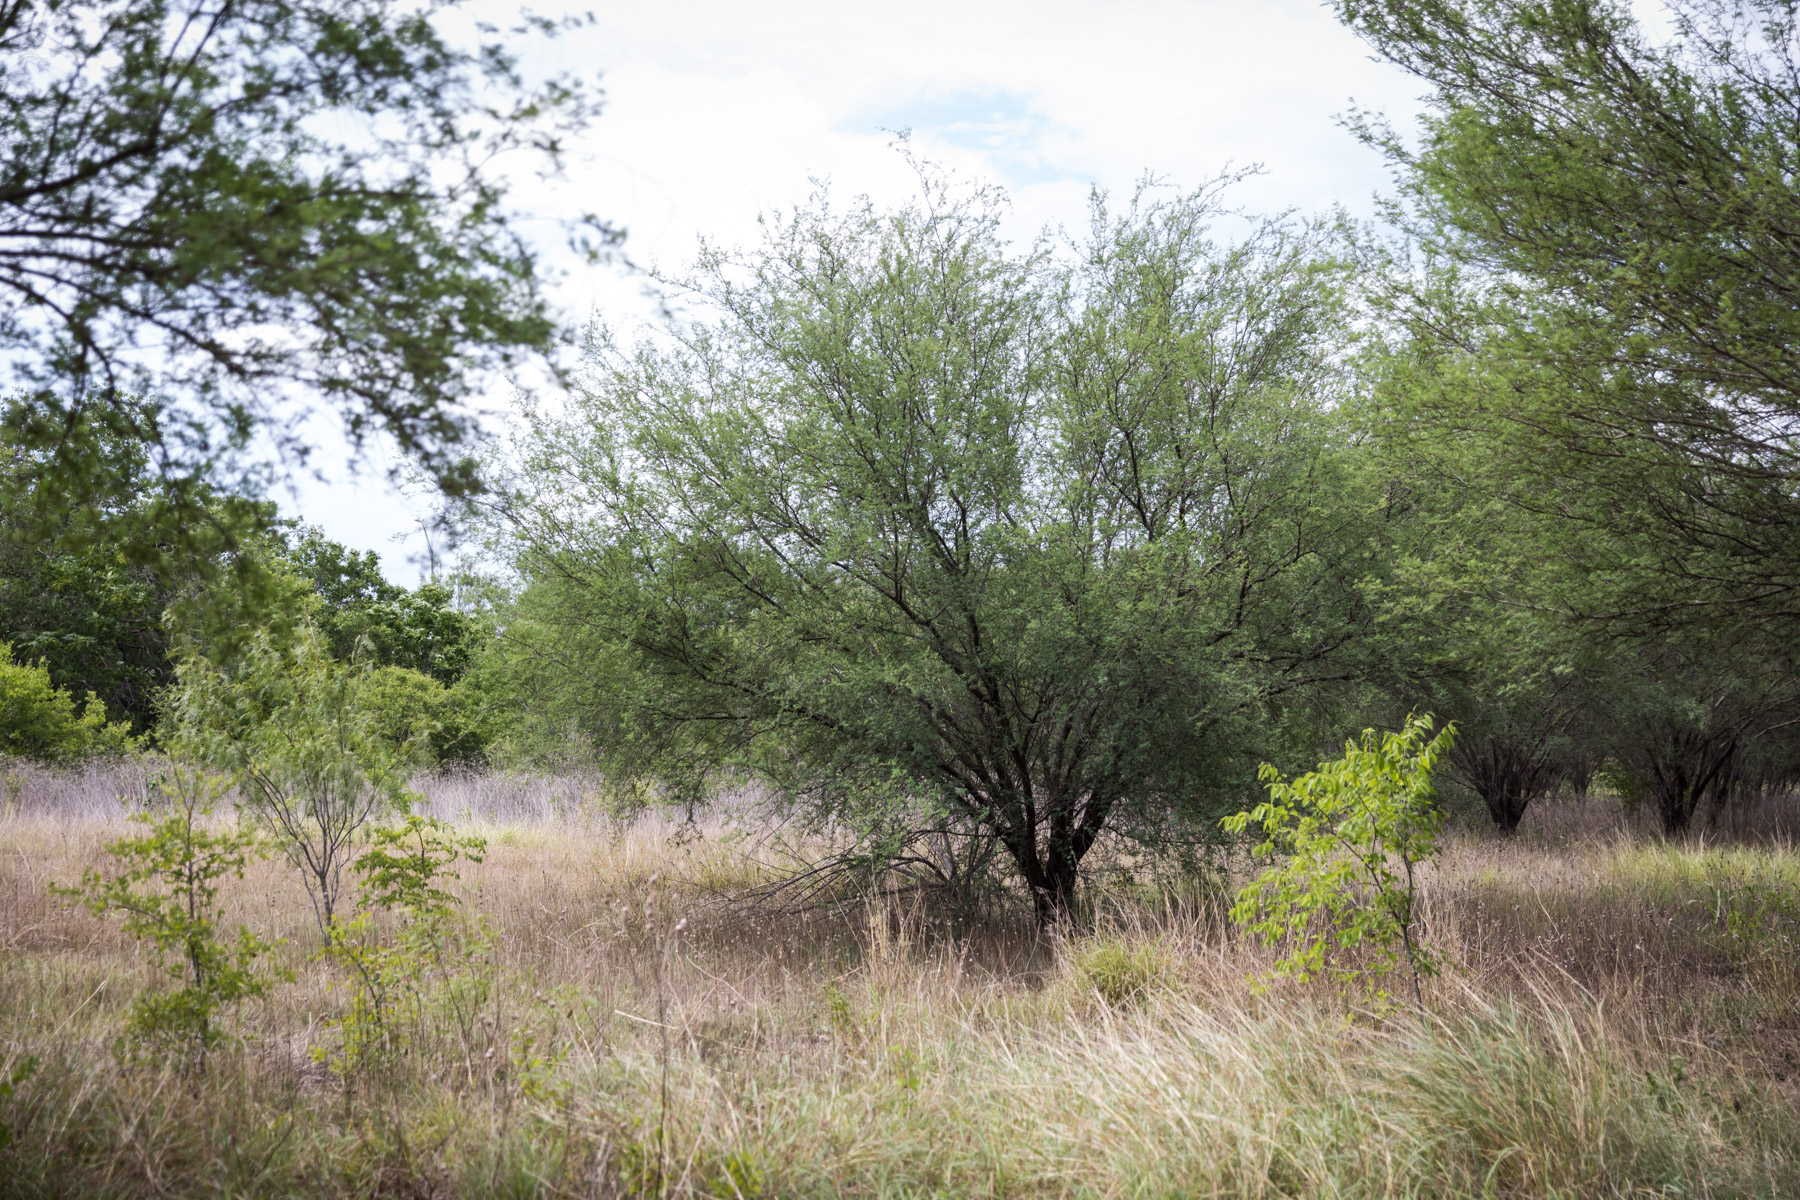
{"points": [[717, 111]]}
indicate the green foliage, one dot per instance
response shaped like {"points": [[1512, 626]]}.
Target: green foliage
{"points": [[343, 579], [1611, 285], [72, 596], [1536, 599], [842, 1015], [41, 721], [920, 531], [1598, 373], [93, 621], [404, 705], [1351, 835], [291, 726], [425, 972], [418, 630], [1565, 146], [363, 616], [1117, 970], [166, 891], [90, 568], [423, 719], [183, 178], [404, 865]]}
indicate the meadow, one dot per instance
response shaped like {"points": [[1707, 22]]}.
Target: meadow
{"points": [[620, 1015]]}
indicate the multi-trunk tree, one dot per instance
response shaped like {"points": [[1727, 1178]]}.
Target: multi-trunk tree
{"points": [[912, 527]]}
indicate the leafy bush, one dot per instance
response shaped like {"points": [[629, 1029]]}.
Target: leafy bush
{"points": [[1352, 834], [39, 720], [422, 719], [403, 704], [166, 893], [402, 873], [294, 729]]}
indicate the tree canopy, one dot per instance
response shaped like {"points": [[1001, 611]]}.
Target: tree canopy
{"points": [[1020, 544], [1619, 310], [243, 208]]}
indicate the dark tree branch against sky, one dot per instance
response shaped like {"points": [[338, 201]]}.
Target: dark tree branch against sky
{"points": [[247, 209]]}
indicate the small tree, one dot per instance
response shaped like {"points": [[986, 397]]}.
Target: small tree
{"points": [[289, 723], [402, 873], [1352, 834], [167, 893]]}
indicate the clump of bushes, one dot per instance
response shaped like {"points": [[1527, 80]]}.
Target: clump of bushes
{"points": [[41, 721]]}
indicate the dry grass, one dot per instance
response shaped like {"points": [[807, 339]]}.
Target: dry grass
{"points": [[1618, 1018]]}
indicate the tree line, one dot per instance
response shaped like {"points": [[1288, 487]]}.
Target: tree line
{"points": [[964, 547]]}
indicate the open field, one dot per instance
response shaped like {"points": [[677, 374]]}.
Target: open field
{"points": [[1619, 1016]]}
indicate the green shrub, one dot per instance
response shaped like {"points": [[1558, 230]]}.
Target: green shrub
{"points": [[166, 892], [40, 721], [424, 721], [397, 984], [403, 704], [1352, 834]]}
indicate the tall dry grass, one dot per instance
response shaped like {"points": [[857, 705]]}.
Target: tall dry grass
{"points": [[1617, 1018]]}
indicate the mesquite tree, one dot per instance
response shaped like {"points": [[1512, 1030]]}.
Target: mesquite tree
{"points": [[906, 523]]}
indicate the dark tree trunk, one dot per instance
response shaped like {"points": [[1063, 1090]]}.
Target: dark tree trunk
{"points": [[1049, 859], [1054, 895], [1578, 772], [1507, 808], [1682, 768], [1508, 774]]}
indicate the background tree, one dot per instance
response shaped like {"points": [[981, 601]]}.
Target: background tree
{"points": [[86, 580], [912, 525], [426, 721], [1696, 720], [1620, 214], [1473, 622], [361, 612]]}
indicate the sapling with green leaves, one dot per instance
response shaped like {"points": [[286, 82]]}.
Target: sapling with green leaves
{"points": [[291, 726], [1350, 836], [403, 872], [167, 892]]}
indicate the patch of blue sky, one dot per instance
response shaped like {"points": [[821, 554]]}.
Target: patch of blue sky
{"points": [[1006, 128]]}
